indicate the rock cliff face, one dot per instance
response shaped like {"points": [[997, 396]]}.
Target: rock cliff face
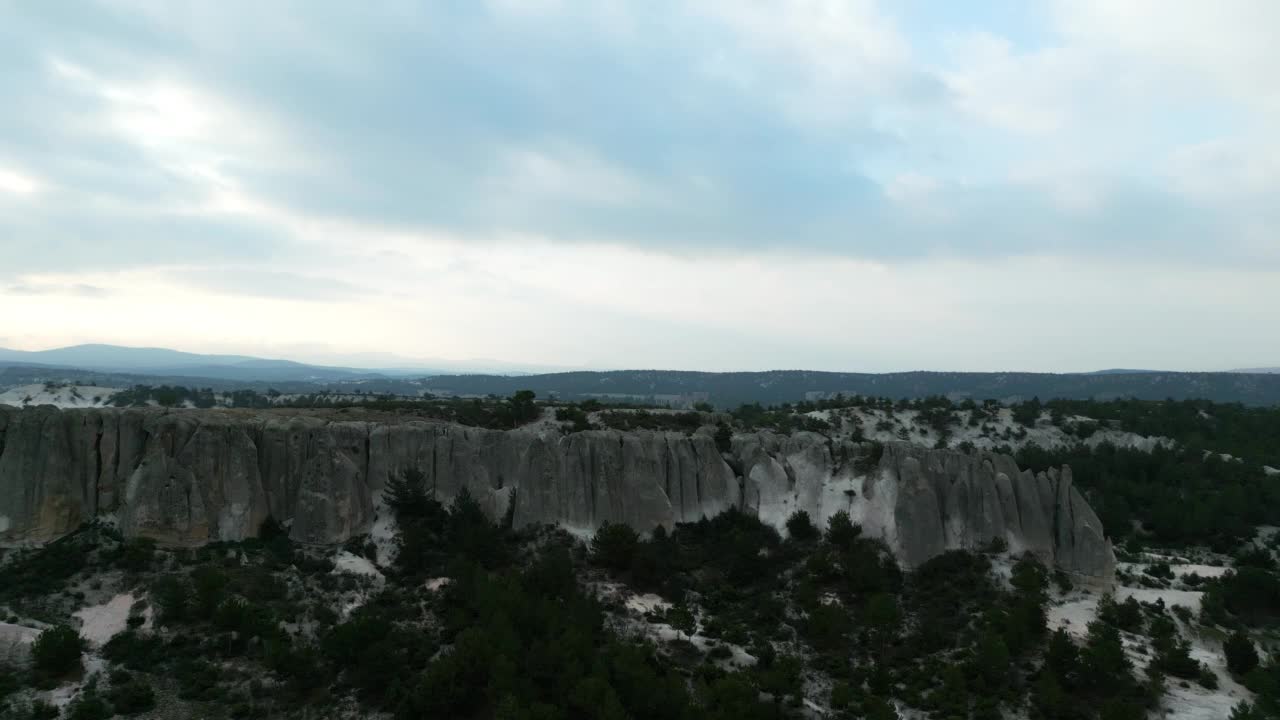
{"points": [[190, 477]]}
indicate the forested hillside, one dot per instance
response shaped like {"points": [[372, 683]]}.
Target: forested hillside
{"points": [[732, 389]]}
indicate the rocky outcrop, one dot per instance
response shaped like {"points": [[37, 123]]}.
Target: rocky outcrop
{"points": [[923, 502], [189, 477], [983, 497], [16, 642]]}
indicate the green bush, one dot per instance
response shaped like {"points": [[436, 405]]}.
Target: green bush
{"points": [[800, 528], [614, 546], [842, 531], [40, 572], [89, 706], [724, 438], [130, 695], [135, 650], [137, 554], [56, 652], [41, 710], [574, 417], [1240, 654]]}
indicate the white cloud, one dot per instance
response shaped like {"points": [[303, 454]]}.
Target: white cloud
{"points": [[1221, 47], [824, 61], [1029, 93], [544, 302], [12, 181], [192, 132], [911, 187], [1113, 69], [1226, 168], [563, 171], [780, 93]]}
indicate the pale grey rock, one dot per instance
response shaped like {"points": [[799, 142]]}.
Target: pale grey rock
{"points": [[43, 470], [284, 446], [975, 499], [1091, 554], [222, 458], [334, 502], [1008, 500], [16, 642], [108, 449], [1035, 530], [163, 501], [918, 515], [193, 476]]}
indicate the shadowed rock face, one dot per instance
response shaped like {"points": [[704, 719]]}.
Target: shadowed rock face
{"points": [[190, 477]]}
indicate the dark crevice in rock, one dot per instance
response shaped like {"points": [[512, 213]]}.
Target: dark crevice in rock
{"points": [[368, 442], [95, 482]]}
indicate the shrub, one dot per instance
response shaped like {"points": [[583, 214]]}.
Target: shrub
{"points": [[574, 416], [1240, 653], [135, 650], [8, 682], [1125, 615], [89, 706], [1256, 557], [827, 626], [724, 438], [841, 530], [56, 652], [614, 546], [130, 696], [1251, 594], [41, 710], [172, 595], [136, 555], [801, 528]]}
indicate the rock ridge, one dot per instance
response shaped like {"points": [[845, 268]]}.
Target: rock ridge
{"points": [[188, 477]]}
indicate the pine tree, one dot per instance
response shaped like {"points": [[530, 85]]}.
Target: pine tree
{"points": [[1240, 653]]}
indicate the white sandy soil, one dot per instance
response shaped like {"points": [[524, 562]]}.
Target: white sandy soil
{"points": [[100, 623], [346, 562]]}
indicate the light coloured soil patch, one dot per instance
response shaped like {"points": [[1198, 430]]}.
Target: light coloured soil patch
{"points": [[647, 603], [346, 562], [1186, 598], [100, 623]]}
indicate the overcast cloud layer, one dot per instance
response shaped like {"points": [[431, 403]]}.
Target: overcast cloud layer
{"points": [[707, 185]]}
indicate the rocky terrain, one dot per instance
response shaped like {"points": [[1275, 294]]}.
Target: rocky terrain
{"points": [[189, 477]]}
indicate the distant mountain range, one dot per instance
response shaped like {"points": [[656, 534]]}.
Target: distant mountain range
{"points": [[118, 366], [162, 361], [175, 363]]}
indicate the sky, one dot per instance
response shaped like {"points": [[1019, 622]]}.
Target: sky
{"points": [[718, 185]]}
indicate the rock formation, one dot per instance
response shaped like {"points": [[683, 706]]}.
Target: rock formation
{"points": [[195, 476], [16, 642]]}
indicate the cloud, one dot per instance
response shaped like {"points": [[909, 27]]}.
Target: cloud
{"points": [[790, 124], [250, 282], [46, 288], [823, 62], [548, 303], [17, 183], [306, 155]]}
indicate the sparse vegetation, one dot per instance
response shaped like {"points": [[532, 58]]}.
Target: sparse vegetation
{"points": [[477, 620]]}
